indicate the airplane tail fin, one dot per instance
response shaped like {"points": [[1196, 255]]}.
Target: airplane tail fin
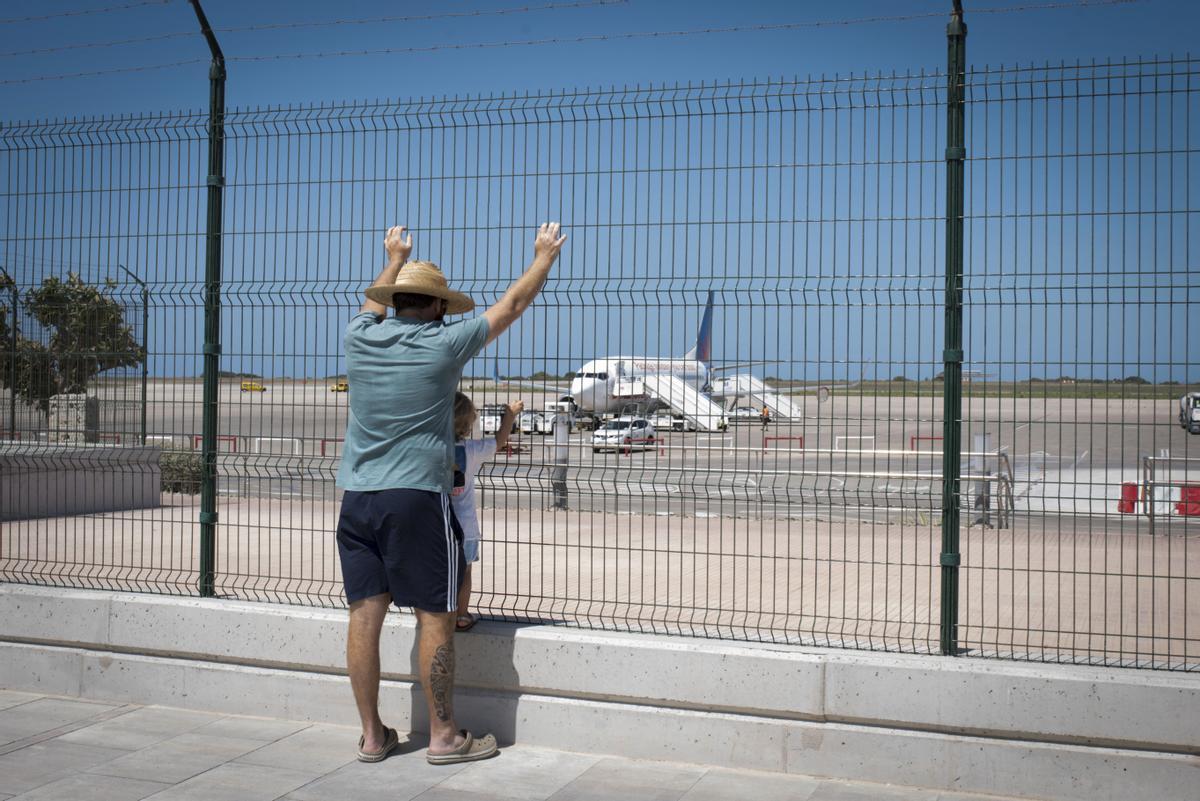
{"points": [[702, 352]]}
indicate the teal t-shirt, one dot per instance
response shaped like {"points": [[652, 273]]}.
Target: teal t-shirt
{"points": [[403, 374]]}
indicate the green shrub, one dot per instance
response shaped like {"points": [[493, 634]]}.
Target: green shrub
{"points": [[181, 472]]}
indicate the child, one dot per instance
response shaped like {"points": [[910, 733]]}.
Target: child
{"points": [[469, 455]]}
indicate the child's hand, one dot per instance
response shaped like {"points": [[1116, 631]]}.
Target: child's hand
{"points": [[516, 407]]}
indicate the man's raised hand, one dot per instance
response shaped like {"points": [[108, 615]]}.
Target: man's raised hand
{"points": [[397, 245], [548, 242]]}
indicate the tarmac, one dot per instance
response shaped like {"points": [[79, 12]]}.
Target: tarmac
{"points": [[1048, 588], [67, 749]]}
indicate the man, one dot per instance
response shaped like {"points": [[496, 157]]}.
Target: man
{"points": [[766, 417], [396, 536]]}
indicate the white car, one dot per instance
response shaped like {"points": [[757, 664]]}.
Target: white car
{"points": [[623, 433]]}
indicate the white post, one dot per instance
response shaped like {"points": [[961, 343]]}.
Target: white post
{"points": [[983, 488], [561, 428], [74, 418]]}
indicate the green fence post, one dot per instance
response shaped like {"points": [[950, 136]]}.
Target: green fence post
{"points": [[212, 306], [952, 357]]}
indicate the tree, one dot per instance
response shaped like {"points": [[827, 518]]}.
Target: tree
{"points": [[87, 336]]}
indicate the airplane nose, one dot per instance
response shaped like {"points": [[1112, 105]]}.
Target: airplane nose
{"points": [[584, 392]]}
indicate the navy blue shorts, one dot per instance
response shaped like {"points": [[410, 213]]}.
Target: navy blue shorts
{"points": [[404, 542]]}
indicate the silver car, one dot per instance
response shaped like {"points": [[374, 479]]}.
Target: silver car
{"points": [[624, 433]]}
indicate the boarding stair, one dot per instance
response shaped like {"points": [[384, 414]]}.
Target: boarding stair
{"points": [[694, 407]]}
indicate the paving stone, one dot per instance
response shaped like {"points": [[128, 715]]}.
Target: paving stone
{"points": [[445, 794], [93, 787], [861, 791], [403, 775], [719, 785], [9, 698], [522, 773], [236, 782], [42, 763], [631, 780], [319, 748], [179, 758], [45, 714], [252, 728], [140, 727]]}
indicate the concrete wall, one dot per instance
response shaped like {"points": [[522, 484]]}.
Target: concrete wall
{"points": [[1038, 731], [75, 479]]}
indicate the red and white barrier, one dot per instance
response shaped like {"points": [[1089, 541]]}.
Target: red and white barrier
{"points": [[914, 439], [797, 438], [1189, 501], [231, 441], [1162, 499], [1127, 505]]}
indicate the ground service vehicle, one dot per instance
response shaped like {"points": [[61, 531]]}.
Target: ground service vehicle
{"points": [[253, 386], [534, 423], [672, 422], [744, 414], [340, 386], [490, 417], [1189, 412]]}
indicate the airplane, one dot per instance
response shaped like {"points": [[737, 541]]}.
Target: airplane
{"points": [[691, 386]]}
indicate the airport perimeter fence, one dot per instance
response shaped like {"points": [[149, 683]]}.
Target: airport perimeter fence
{"points": [[814, 213]]}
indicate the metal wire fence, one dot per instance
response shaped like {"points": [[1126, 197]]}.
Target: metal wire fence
{"points": [[803, 219]]}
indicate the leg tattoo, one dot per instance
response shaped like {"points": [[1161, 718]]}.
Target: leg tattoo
{"points": [[441, 682]]}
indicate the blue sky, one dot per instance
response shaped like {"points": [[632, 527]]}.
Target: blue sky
{"points": [[850, 327]]}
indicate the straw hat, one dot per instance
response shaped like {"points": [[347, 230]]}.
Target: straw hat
{"points": [[422, 278]]}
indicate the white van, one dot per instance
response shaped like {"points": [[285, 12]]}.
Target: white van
{"points": [[1189, 412]]}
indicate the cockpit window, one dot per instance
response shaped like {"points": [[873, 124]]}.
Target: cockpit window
{"points": [[602, 376]]}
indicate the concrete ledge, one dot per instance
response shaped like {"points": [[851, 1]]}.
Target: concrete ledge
{"points": [[52, 480], [1045, 731]]}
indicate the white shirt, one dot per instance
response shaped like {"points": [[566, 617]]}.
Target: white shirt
{"points": [[469, 456]]}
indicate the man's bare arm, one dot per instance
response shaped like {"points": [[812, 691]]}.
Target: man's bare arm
{"points": [[520, 295], [398, 247]]}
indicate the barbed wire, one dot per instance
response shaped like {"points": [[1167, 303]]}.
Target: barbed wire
{"points": [[94, 73], [581, 39], [83, 12], [277, 26], [604, 37]]}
